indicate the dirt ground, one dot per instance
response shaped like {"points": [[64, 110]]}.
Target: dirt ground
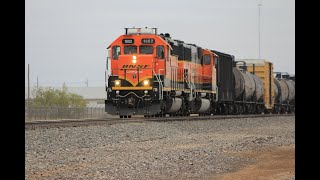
{"points": [[252, 148], [276, 164]]}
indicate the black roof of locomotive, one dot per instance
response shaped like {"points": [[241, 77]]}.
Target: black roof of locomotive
{"points": [[222, 54]]}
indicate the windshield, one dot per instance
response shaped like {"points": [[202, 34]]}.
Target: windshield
{"points": [[146, 50], [130, 49], [207, 59]]}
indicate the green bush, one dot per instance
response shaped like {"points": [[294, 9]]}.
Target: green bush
{"points": [[55, 97]]}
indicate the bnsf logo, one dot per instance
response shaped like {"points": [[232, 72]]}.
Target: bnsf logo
{"points": [[136, 66]]}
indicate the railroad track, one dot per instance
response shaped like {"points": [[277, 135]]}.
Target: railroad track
{"points": [[109, 121]]}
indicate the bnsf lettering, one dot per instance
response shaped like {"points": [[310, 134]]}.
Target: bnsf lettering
{"points": [[136, 66]]}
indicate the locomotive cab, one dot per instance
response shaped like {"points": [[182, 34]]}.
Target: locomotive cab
{"points": [[137, 60]]}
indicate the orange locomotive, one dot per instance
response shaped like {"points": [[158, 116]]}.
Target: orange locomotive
{"points": [[153, 74]]}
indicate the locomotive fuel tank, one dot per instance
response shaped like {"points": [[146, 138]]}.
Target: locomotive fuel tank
{"points": [[173, 104], [201, 105]]}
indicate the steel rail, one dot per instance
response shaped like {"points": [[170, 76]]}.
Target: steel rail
{"points": [[110, 121]]}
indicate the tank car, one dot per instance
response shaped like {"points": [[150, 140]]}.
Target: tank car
{"points": [[248, 91], [285, 96]]}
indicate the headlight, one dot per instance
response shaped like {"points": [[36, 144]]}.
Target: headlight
{"points": [[134, 59], [117, 82], [146, 82]]}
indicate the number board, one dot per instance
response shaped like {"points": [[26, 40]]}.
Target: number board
{"points": [[147, 41], [127, 41]]}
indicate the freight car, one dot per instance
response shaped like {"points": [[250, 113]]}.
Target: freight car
{"points": [[284, 86], [153, 75]]}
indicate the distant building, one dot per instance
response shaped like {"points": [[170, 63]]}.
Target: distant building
{"points": [[93, 95]]}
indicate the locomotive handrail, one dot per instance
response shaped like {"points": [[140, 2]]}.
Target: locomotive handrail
{"points": [[106, 73], [141, 97], [160, 84], [189, 84]]}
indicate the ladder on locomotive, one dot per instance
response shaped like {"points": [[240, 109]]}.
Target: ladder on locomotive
{"points": [[191, 85], [160, 84]]}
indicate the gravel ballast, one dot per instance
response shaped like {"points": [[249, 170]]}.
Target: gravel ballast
{"points": [[152, 150]]}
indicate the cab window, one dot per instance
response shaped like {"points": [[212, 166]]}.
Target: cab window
{"points": [[130, 49], [146, 50], [115, 52], [207, 59], [160, 52]]}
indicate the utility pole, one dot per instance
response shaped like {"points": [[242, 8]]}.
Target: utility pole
{"points": [[87, 82], [259, 5], [37, 82], [28, 85]]}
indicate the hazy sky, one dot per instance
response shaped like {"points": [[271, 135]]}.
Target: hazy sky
{"points": [[66, 40]]}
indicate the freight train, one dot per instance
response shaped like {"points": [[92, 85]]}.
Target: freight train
{"points": [[153, 74]]}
